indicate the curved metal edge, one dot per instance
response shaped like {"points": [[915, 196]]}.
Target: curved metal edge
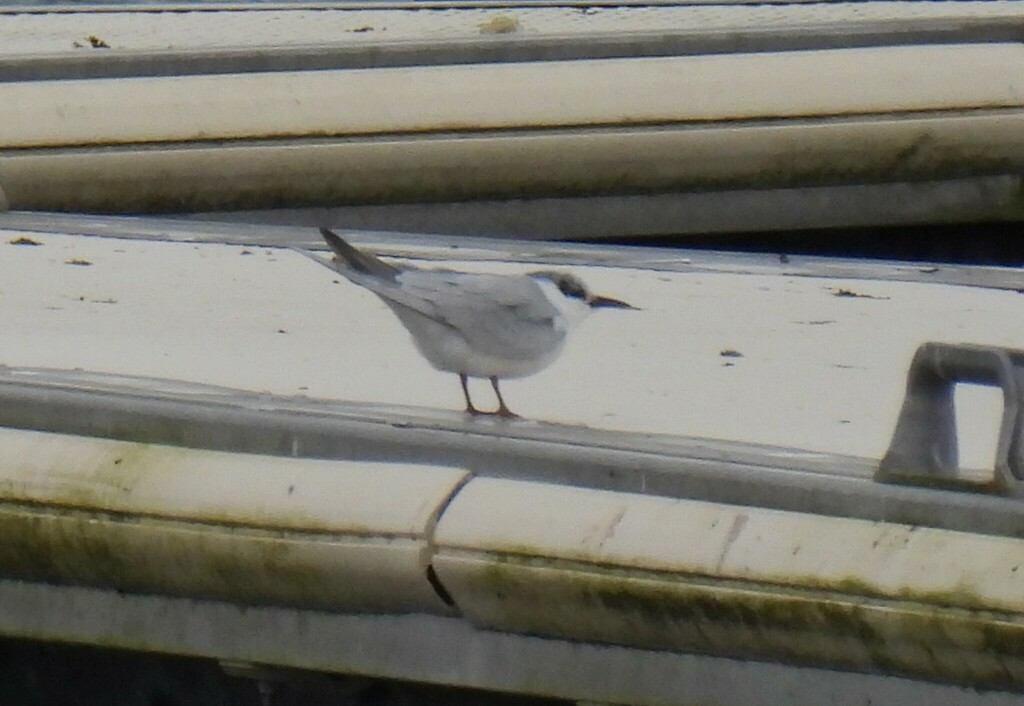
{"points": [[702, 469], [923, 450]]}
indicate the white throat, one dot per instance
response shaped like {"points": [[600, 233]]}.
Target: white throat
{"points": [[571, 310]]}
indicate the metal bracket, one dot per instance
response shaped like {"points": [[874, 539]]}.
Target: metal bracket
{"points": [[924, 447]]}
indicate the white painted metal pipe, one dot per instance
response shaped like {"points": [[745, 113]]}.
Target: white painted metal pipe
{"points": [[522, 164], [660, 90], [245, 528], [676, 574]]}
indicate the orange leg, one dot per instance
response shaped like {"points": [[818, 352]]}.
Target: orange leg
{"points": [[503, 410]]}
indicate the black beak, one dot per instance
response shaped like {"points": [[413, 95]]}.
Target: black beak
{"points": [[609, 303]]}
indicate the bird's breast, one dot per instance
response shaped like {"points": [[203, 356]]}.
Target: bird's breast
{"points": [[452, 353]]}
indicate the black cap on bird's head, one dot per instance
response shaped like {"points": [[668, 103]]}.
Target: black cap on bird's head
{"points": [[572, 287]]}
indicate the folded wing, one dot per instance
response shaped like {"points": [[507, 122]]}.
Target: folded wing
{"points": [[497, 315]]}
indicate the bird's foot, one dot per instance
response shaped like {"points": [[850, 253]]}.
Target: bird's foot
{"points": [[503, 412]]}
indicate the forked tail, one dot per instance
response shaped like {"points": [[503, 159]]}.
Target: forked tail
{"points": [[357, 259]]}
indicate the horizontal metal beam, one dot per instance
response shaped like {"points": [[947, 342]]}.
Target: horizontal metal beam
{"points": [[158, 411], [702, 214], [542, 95], [259, 229], [432, 649], [548, 163], [506, 48]]}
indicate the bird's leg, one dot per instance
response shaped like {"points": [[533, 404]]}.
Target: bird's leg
{"points": [[470, 409], [503, 411]]}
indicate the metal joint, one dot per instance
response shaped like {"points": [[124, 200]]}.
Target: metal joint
{"points": [[924, 450]]}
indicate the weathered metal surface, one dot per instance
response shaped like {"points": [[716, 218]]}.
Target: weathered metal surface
{"points": [[640, 571], [163, 412], [598, 162], [142, 31], [735, 543], [435, 649], [187, 522], [822, 362], [611, 527], [862, 175], [924, 447], [659, 90], [634, 126], [699, 213], [433, 249], [741, 581]]}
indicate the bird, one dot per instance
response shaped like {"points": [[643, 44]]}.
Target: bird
{"points": [[475, 325]]}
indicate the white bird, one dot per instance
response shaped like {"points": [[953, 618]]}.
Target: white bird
{"points": [[475, 325]]}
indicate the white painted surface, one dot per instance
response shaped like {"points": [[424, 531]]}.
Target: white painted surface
{"points": [[368, 499], [334, 535], [491, 518], [655, 90], [141, 28], [818, 371]]}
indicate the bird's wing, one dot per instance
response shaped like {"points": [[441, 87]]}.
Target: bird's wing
{"points": [[386, 289], [498, 315]]}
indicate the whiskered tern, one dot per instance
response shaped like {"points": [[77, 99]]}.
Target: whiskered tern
{"points": [[475, 325]]}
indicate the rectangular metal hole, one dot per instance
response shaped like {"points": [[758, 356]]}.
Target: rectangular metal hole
{"points": [[979, 412]]}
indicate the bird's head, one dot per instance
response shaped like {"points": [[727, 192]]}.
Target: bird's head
{"points": [[570, 296]]}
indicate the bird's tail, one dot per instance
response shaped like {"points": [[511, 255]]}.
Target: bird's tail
{"points": [[357, 259]]}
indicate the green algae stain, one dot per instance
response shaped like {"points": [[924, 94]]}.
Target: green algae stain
{"points": [[846, 626]]}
